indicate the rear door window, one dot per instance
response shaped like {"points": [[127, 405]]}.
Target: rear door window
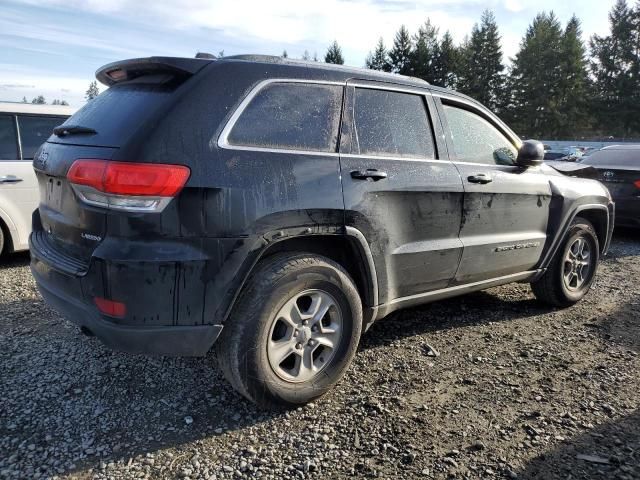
{"points": [[8, 138], [34, 131], [476, 140], [295, 116], [389, 123]]}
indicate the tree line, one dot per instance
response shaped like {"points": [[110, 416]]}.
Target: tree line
{"points": [[40, 100], [556, 86]]}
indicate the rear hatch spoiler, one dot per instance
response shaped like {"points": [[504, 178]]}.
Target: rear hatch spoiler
{"points": [[124, 70]]}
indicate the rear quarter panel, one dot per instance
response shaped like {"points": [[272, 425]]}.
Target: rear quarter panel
{"points": [[234, 199]]}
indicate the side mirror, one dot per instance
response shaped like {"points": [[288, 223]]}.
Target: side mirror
{"points": [[531, 154]]}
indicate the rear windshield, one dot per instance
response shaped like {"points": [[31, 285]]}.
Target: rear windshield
{"points": [[117, 113], [614, 158]]}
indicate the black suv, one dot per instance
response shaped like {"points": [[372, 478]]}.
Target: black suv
{"points": [[277, 208]]}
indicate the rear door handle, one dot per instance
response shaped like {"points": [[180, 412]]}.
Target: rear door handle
{"points": [[370, 173], [481, 178], [10, 179]]}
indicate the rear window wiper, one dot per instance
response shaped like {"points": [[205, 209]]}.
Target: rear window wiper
{"points": [[64, 130]]}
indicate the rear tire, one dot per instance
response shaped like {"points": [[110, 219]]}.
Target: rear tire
{"points": [[293, 331], [572, 269]]}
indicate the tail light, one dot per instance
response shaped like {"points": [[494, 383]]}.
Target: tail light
{"points": [[637, 183], [110, 307], [134, 187]]}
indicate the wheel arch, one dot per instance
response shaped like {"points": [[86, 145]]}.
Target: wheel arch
{"points": [[8, 238], [599, 216], [349, 249]]}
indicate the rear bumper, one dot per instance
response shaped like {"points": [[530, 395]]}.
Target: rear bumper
{"points": [[66, 293]]}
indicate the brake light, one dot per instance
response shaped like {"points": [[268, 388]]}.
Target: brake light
{"points": [[127, 185], [637, 183], [110, 307]]}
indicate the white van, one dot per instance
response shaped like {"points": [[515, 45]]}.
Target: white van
{"points": [[23, 128]]}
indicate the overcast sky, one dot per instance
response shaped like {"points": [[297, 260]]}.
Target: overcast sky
{"points": [[53, 47]]}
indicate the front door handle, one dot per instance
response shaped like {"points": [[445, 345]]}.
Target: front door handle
{"points": [[10, 179], [370, 173], [481, 178]]}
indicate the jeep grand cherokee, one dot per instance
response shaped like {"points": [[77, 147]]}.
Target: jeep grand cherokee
{"points": [[273, 209]]}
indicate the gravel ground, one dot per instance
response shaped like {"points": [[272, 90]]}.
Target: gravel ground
{"points": [[491, 385]]}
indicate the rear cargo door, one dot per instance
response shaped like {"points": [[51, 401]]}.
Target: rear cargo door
{"points": [[400, 190], [67, 226], [114, 123]]}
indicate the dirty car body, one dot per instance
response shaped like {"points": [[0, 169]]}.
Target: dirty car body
{"points": [[412, 215]]}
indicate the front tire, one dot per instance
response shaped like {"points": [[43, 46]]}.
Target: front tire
{"points": [[572, 269], [293, 332]]}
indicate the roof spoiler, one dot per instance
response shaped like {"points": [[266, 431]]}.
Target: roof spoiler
{"points": [[113, 73]]}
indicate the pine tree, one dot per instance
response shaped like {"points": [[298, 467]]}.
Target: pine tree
{"points": [[614, 59], [306, 56], [446, 66], [573, 88], [92, 92], [425, 53], [379, 59], [400, 54], [285, 54], [39, 100], [483, 77], [24, 100], [535, 78], [334, 54]]}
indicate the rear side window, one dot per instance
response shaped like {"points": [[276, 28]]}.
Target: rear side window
{"points": [[34, 131], [8, 138], [476, 140], [392, 124], [294, 116]]}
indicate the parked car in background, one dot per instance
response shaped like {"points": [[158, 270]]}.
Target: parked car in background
{"points": [[554, 155], [566, 154], [618, 168], [23, 128], [273, 209]]}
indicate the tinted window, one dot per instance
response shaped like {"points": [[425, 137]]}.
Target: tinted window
{"points": [[8, 140], [292, 116], [613, 158], [476, 140], [392, 124], [34, 131], [118, 112]]}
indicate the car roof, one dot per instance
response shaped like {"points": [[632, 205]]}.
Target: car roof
{"points": [[31, 108], [632, 146], [347, 70], [193, 65]]}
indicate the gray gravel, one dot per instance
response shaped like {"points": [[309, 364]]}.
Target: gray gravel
{"points": [[491, 385]]}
